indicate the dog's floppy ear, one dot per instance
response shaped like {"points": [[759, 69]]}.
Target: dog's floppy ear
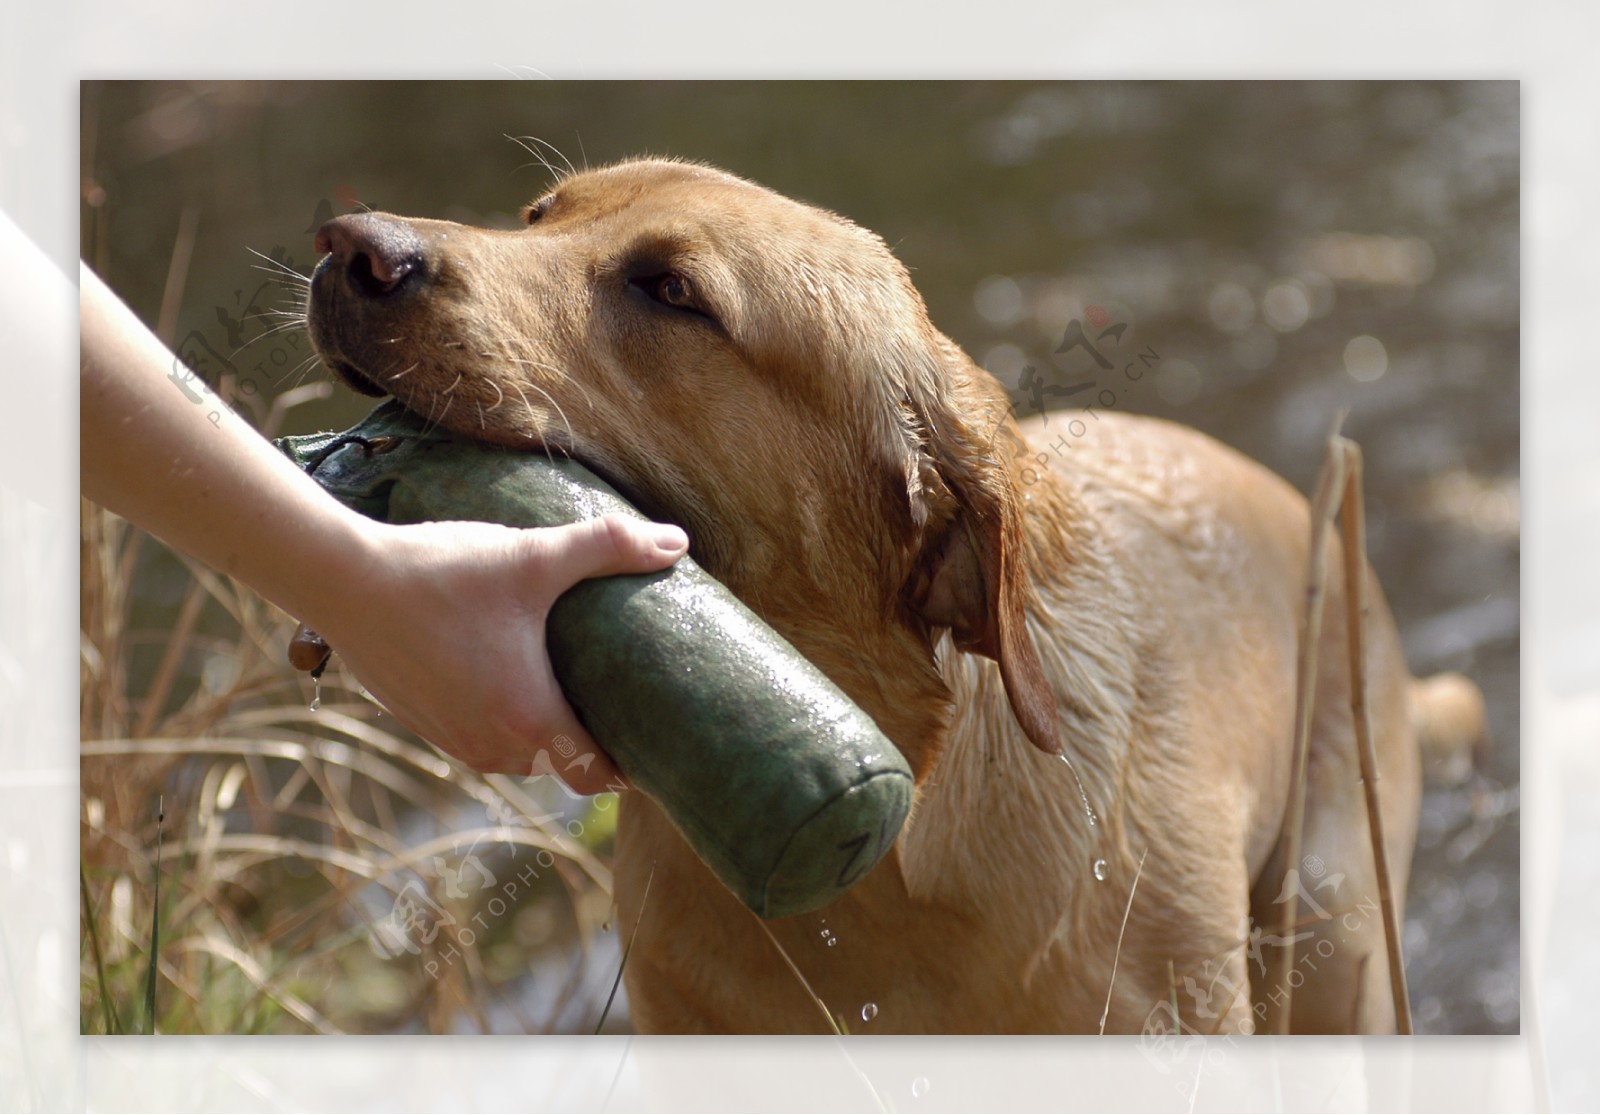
{"points": [[969, 574]]}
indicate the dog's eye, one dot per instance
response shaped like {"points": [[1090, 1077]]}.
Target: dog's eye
{"points": [[531, 213], [670, 289], [674, 291]]}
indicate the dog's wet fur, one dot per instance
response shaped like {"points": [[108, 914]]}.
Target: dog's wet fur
{"points": [[764, 373]]}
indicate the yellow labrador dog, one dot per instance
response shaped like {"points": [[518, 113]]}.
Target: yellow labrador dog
{"points": [[765, 374]]}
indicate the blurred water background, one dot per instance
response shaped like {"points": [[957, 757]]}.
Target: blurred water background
{"points": [[1287, 248]]}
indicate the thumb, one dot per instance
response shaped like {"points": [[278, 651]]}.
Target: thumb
{"points": [[608, 546]]}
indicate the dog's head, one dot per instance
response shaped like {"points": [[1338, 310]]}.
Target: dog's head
{"points": [[760, 371]]}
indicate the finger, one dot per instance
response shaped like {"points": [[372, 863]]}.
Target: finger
{"points": [[608, 546]]}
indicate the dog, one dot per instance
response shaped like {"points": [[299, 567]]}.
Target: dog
{"points": [[1087, 655]]}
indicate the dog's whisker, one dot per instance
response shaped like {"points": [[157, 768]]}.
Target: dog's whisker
{"points": [[299, 371], [564, 377], [540, 159], [257, 339], [454, 385], [558, 410], [281, 275], [284, 321], [525, 142], [526, 405], [436, 423], [533, 415], [397, 376], [431, 424], [287, 326], [556, 151], [278, 267]]}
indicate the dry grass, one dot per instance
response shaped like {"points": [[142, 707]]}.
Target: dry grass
{"points": [[1337, 496], [320, 871]]}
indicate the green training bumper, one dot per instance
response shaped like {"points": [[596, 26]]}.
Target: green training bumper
{"points": [[787, 790]]}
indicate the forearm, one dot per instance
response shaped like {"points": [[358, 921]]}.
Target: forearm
{"points": [[442, 622], [198, 476]]}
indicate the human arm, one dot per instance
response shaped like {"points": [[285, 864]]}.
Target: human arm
{"points": [[442, 622]]}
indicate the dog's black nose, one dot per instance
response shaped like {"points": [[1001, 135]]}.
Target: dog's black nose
{"points": [[375, 254]]}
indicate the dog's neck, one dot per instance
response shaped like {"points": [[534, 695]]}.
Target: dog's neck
{"points": [[986, 792], [990, 797]]}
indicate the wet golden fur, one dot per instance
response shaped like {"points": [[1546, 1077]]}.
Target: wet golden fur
{"points": [[765, 374]]}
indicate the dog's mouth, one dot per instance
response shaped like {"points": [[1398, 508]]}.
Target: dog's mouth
{"points": [[322, 326], [349, 337], [345, 325], [603, 465], [347, 374], [557, 443]]}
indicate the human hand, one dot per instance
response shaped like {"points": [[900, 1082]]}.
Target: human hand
{"points": [[444, 623]]}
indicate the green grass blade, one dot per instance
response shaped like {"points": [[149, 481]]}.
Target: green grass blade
{"points": [[155, 926], [113, 1024]]}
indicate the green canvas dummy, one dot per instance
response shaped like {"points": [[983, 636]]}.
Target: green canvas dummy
{"points": [[787, 790]]}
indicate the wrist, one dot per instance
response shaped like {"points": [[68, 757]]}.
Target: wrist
{"points": [[336, 580]]}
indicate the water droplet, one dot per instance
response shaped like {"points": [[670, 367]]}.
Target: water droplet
{"points": [[832, 941], [828, 938], [1083, 795], [1100, 870], [919, 1087], [869, 1012], [316, 696]]}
